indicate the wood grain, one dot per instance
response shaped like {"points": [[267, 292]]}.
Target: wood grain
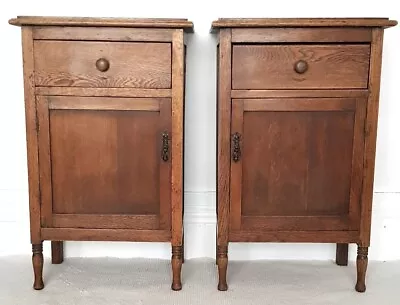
{"points": [[105, 234], [165, 168], [295, 236], [301, 22], [299, 93], [104, 97], [45, 168], [103, 103], [236, 169], [342, 254], [103, 92], [292, 160], [31, 135], [177, 137], [72, 64], [294, 223], [299, 104], [102, 34], [99, 175], [271, 66], [357, 163], [224, 136], [306, 35], [95, 221], [57, 252], [371, 125], [180, 23]]}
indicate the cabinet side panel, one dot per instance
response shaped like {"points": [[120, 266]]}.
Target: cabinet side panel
{"points": [[370, 135], [31, 134]]}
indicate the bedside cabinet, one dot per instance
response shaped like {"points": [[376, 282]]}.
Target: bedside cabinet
{"points": [[297, 122], [104, 101]]}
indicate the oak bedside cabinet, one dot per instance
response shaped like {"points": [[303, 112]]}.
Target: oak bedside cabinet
{"points": [[297, 122], [104, 100]]}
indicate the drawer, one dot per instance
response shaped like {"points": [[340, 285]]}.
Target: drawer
{"points": [[300, 66], [102, 64]]}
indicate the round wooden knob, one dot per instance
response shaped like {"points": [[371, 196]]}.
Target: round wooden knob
{"points": [[102, 64], [301, 66]]}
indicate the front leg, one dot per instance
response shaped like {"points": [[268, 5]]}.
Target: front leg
{"points": [[37, 261], [176, 261], [222, 262], [362, 263]]}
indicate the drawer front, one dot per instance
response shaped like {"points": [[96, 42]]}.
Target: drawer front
{"points": [[102, 64], [300, 66]]}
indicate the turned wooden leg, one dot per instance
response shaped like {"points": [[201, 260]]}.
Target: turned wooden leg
{"points": [[222, 262], [37, 261], [176, 262], [342, 254], [362, 263], [57, 252]]}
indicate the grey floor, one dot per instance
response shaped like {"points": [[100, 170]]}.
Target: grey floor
{"points": [[109, 281]]}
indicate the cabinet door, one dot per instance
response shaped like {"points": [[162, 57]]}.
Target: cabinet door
{"points": [[296, 164], [105, 162]]}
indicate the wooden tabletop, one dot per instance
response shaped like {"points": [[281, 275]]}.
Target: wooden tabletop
{"points": [[103, 22], [301, 22]]}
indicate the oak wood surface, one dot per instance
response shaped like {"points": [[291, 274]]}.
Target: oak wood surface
{"points": [[177, 130], [224, 135], [305, 95], [99, 174], [306, 35], [291, 168], [102, 34], [235, 199], [103, 22], [301, 22], [72, 64], [103, 103], [371, 126], [106, 234], [165, 194], [102, 92], [299, 93], [295, 236], [45, 168], [31, 135], [342, 254], [106, 121], [299, 104], [177, 137], [293, 223], [223, 152], [272, 66], [96, 221], [57, 252]]}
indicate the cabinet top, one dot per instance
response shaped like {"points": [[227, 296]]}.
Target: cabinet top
{"points": [[301, 22], [103, 22]]}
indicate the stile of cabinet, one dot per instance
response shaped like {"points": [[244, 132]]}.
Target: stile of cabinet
{"points": [[104, 100], [297, 116]]}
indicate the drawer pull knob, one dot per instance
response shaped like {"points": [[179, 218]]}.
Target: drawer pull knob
{"points": [[102, 64], [301, 66], [236, 153], [165, 147]]}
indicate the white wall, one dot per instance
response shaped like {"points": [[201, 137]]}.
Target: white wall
{"points": [[200, 161]]}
